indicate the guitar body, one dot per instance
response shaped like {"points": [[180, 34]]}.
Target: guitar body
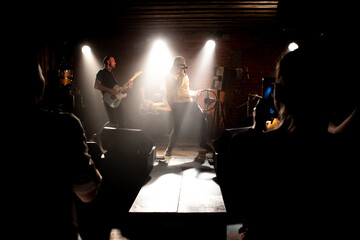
{"points": [[153, 108], [113, 100]]}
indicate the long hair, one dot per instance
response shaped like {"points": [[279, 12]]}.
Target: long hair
{"points": [[303, 89]]}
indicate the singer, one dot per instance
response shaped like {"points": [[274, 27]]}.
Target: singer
{"points": [[179, 97]]}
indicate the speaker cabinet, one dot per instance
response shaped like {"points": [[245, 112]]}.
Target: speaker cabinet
{"points": [[129, 153], [219, 77]]}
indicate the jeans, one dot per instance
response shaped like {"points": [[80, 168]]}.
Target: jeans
{"points": [[182, 110]]}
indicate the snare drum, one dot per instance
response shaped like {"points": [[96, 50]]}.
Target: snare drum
{"points": [[65, 77], [65, 73]]}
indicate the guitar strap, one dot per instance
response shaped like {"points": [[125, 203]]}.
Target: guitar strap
{"points": [[115, 81]]}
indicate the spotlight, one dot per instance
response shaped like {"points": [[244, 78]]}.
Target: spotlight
{"points": [[159, 60], [210, 44], [86, 50], [159, 45], [203, 63], [293, 46]]}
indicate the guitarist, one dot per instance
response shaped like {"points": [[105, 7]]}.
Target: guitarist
{"points": [[105, 82]]}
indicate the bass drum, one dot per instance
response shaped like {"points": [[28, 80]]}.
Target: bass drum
{"points": [[65, 81]]}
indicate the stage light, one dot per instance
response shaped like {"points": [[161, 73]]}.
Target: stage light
{"points": [[293, 46], [160, 59], [86, 50], [87, 68], [210, 45], [159, 45], [203, 65]]}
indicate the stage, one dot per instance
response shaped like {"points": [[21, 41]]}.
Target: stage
{"points": [[180, 198]]}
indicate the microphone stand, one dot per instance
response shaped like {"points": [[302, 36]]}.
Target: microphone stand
{"points": [[216, 116]]}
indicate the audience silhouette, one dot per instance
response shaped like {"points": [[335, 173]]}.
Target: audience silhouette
{"points": [[51, 168], [297, 179]]}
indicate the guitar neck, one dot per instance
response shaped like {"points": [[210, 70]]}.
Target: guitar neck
{"points": [[130, 80], [126, 84]]}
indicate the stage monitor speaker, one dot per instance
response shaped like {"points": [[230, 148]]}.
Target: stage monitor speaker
{"points": [[129, 151]]}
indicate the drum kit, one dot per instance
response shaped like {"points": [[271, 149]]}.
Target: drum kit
{"points": [[65, 77], [69, 90]]}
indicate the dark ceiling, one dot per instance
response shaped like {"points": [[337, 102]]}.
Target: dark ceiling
{"points": [[65, 19], [216, 15], [190, 15]]}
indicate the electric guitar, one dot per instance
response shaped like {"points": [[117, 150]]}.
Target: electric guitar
{"points": [[114, 100]]}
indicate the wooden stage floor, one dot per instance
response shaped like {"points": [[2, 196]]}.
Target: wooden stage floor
{"points": [[181, 198], [182, 183]]}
